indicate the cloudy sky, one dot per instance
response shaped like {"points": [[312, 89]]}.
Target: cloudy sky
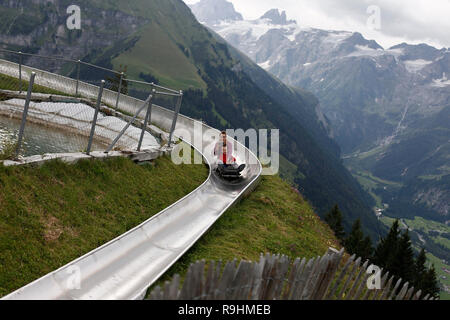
{"points": [[412, 21]]}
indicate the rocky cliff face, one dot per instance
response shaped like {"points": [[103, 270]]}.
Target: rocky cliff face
{"points": [[436, 199], [214, 11], [39, 26], [277, 17]]}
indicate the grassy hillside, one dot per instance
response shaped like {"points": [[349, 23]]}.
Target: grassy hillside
{"points": [[444, 276], [13, 84], [169, 64], [163, 47], [53, 214], [275, 218]]}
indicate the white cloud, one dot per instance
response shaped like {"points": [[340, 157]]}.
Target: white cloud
{"points": [[412, 21]]}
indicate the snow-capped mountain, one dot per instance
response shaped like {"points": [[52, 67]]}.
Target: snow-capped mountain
{"points": [[342, 68], [389, 108]]}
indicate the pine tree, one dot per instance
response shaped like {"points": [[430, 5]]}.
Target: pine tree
{"points": [[367, 248], [420, 269], [430, 283], [387, 247], [355, 243], [334, 220], [402, 262], [395, 254]]}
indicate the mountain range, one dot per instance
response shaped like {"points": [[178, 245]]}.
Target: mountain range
{"points": [[388, 109]]}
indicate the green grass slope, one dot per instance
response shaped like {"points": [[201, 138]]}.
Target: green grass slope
{"points": [[13, 84], [53, 214], [168, 63], [275, 218]]}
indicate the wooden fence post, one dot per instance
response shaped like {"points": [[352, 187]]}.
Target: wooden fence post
{"points": [[274, 277]]}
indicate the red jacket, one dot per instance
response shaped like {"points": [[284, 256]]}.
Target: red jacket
{"points": [[225, 157]]}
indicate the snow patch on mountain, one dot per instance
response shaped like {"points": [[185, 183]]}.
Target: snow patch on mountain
{"points": [[441, 83], [255, 28], [337, 37], [366, 51], [415, 66], [265, 65]]}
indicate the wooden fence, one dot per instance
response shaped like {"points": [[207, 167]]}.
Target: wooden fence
{"points": [[275, 277]]}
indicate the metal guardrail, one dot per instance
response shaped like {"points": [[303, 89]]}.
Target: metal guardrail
{"points": [[25, 113], [89, 129], [78, 64], [112, 87], [125, 267]]}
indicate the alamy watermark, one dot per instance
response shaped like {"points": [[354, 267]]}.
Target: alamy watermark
{"points": [[250, 147], [73, 281], [74, 20], [374, 20], [374, 280]]}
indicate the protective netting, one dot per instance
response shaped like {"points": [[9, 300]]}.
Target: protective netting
{"points": [[64, 101], [59, 120]]}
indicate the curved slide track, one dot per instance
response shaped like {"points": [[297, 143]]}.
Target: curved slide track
{"points": [[125, 267]]}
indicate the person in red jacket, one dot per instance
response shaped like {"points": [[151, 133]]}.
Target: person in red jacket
{"points": [[224, 152]]}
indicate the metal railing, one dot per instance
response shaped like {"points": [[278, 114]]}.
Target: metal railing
{"points": [[82, 71], [25, 113], [81, 79]]}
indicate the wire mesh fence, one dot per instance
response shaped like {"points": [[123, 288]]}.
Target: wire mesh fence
{"points": [[116, 81], [70, 81]]}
